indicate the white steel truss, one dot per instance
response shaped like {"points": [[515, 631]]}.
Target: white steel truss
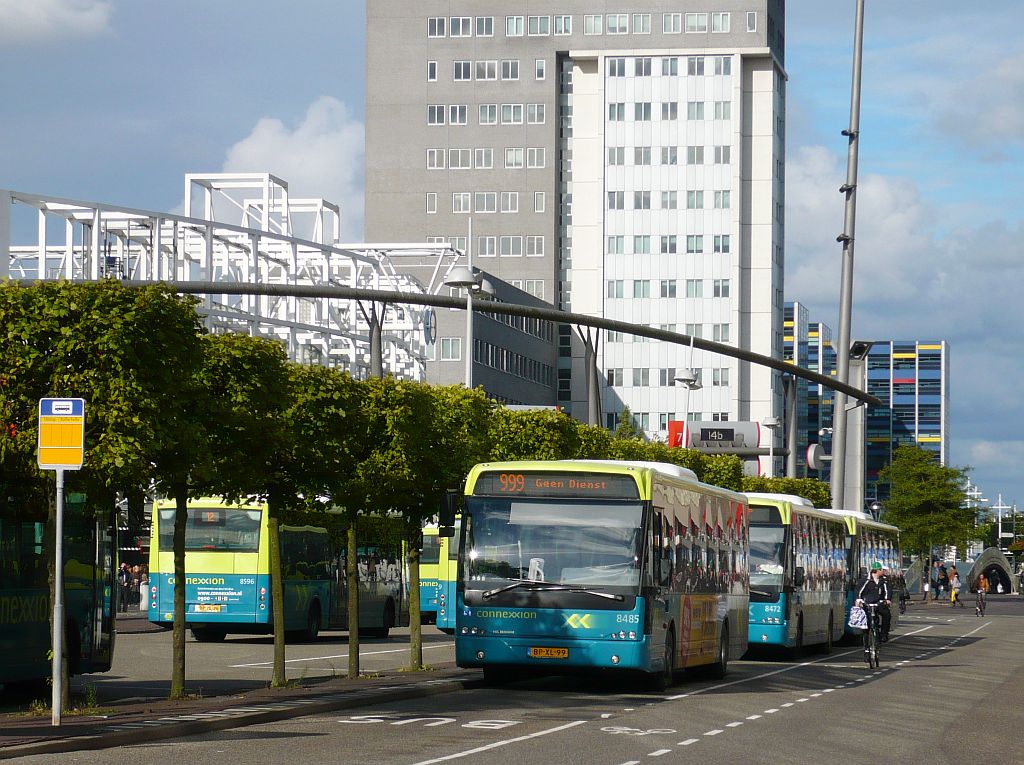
{"points": [[240, 228]]}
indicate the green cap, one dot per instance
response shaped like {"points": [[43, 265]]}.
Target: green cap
{"points": [[876, 566]]}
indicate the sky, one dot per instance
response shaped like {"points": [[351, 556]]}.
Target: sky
{"points": [[115, 100]]}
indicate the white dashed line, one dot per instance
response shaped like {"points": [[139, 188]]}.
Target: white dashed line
{"points": [[815, 695], [689, 741], [659, 752], [754, 717], [788, 704], [770, 711], [801, 701], [733, 724], [632, 762], [714, 732]]}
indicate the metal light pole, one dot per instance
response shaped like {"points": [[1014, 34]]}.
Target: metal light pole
{"points": [[471, 281], [771, 423], [688, 379], [846, 284]]}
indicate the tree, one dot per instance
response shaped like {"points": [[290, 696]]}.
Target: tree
{"points": [[926, 499], [533, 434], [818, 492], [627, 427]]}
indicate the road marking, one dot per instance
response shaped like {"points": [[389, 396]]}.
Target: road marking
{"points": [[632, 762], [689, 741], [506, 742], [788, 704], [801, 701], [606, 715], [659, 752], [754, 717], [815, 695], [733, 724], [770, 711], [714, 732], [340, 656]]}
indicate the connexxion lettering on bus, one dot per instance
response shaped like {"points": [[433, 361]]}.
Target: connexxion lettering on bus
{"points": [[573, 565]]}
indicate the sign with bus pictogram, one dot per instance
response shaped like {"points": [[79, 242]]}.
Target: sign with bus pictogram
{"points": [[61, 433]]}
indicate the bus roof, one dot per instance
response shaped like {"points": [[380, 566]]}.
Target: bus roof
{"points": [[855, 518], [792, 499], [211, 502]]}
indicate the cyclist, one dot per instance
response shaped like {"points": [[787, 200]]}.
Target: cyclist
{"points": [[875, 592]]}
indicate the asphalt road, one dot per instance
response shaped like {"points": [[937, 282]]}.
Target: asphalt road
{"points": [[948, 692]]}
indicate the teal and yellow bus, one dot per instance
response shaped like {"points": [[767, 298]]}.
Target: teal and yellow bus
{"points": [[227, 575], [868, 541], [438, 573], [90, 564], [581, 565], [798, 573]]}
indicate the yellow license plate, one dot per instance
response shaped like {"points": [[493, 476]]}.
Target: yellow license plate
{"points": [[202, 607], [549, 653]]}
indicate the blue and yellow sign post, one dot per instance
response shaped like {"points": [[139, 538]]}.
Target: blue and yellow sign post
{"points": [[61, 447]]}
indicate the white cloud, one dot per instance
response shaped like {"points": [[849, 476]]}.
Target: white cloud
{"points": [[321, 157], [46, 20]]}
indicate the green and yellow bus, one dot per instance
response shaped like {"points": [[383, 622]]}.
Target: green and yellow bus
{"points": [[227, 575], [580, 565], [868, 541], [89, 569], [439, 565], [798, 573]]}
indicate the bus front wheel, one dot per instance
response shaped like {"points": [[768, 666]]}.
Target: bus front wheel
{"points": [[721, 666], [312, 630], [661, 681]]}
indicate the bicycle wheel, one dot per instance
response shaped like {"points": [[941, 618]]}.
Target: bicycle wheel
{"points": [[874, 647]]}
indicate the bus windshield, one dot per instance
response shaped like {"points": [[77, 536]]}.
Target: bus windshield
{"points": [[559, 542], [214, 529], [767, 559], [430, 554]]}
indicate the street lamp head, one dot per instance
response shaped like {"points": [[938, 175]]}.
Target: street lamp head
{"points": [[484, 288], [461, 276], [688, 379], [771, 422]]}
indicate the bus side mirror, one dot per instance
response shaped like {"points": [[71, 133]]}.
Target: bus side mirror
{"points": [[446, 518], [798, 576]]}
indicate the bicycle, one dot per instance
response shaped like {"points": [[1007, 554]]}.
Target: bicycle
{"points": [[872, 635]]}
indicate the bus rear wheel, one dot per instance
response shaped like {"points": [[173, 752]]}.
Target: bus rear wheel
{"points": [[721, 666], [312, 630], [209, 634], [826, 647]]}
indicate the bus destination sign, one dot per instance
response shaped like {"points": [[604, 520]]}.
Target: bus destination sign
{"points": [[556, 484]]}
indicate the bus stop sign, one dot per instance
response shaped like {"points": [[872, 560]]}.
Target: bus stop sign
{"points": [[61, 433]]}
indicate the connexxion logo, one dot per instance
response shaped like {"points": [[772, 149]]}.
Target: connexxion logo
{"points": [[578, 620]]}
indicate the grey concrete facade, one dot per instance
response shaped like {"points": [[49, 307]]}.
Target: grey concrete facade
{"points": [[529, 169]]}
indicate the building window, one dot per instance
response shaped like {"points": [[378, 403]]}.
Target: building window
{"points": [[723, 110], [486, 246], [539, 25], [693, 330], [513, 26], [592, 25], [694, 244], [510, 69], [463, 71], [461, 202], [488, 114], [642, 66], [486, 201], [694, 288], [611, 336], [694, 200], [616, 200], [436, 26], [511, 114], [723, 155], [535, 287], [431, 71], [670, 111], [641, 200], [460, 159], [431, 202], [616, 155], [672, 23], [539, 69], [695, 155], [461, 26], [694, 110], [435, 159], [719, 22], [563, 25], [667, 377], [641, 377], [535, 114], [616, 67], [535, 157], [457, 114], [484, 159], [695, 65], [696, 22], [534, 246], [451, 349], [435, 114], [510, 201], [723, 200], [487, 70], [720, 333], [668, 288], [641, 288], [641, 155], [511, 247], [720, 377], [721, 288], [668, 245], [538, 201], [670, 66], [618, 23], [513, 158], [751, 21], [642, 245], [723, 65], [721, 243], [669, 200], [642, 111], [615, 377], [669, 155], [616, 288], [485, 26], [616, 112], [641, 23], [615, 245]]}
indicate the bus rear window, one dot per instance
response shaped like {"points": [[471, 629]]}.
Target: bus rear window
{"points": [[214, 529], [430, 554]]}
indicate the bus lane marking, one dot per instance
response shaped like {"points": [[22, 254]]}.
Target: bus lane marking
{"points": [[339, 656], [505, 742], [689, 741], [659, 752]]}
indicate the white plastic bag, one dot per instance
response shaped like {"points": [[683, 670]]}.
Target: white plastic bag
{"points": [[858, 618]]}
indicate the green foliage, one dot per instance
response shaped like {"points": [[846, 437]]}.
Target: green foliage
{"points": [[818, 492], [925, 500], [594, 442], [627, 428], [533, 434], [725, 470]]}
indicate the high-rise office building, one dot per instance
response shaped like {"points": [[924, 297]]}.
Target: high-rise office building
{"points": [[625, 161]]}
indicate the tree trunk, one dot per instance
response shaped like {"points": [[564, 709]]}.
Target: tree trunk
{"points": [[415, 627], [180, 521], [352, 579], [276, 591], [51, 570]]}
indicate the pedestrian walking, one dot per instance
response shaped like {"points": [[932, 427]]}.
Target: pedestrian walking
{"points": [[979, 605], [954, 587], [124, 585], [943, 581], [136, 584]]}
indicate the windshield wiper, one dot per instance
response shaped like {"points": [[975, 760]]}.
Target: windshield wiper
{"points": [[529, 584], [762, 592]]}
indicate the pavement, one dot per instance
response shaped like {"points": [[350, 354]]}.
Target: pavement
{"points": [[128, 720]]}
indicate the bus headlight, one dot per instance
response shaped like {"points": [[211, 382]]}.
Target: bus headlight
{"points": [[615, 659], [465, 630], [632, 636], [480, 655]]}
